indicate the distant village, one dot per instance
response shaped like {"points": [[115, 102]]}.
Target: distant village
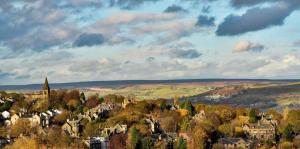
{"points": [[70, 119]]}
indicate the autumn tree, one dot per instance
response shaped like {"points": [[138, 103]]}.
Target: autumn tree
{"points": [[92, 101], [73, 104], [21, 127], [226, 130], [275, 115], [200, 137], [23, 143], [134, 139], [58, 139], [112, 98], [118, 141], [61, 118], [163, 104], [293, 118], [227, 114], [90, 130], [188, 106]]}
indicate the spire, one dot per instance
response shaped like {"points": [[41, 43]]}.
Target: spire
{"points": [[46, 85]]}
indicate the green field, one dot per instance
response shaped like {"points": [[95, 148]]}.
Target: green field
{"points": [[154, 91]]}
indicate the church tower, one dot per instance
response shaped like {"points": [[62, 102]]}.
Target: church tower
{"points": [[46, 89]]}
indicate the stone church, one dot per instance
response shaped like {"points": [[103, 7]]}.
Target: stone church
{"points": [[43, 94]]}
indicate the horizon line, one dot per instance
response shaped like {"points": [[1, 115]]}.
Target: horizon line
{"points": [[184, 79]]}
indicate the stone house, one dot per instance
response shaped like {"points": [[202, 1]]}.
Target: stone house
{"points": [[154, 125], [42, 119], [264, 129], [99, 111], [4, 141], [73, 127], [97, 143], [235, 143], [34, 119], [260, 131], [200, 116], [128, 101], [117, 129]]}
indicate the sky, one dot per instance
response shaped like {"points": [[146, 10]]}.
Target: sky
{"points": [[86, 40]]}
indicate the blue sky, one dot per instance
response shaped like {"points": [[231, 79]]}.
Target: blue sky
{"points": [[84, 40]]}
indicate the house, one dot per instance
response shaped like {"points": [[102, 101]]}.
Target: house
{"points": [[5, 114], [117, 129], [34, 119], [97, 143], [5, 118], [128, 101], [4, 141], [260, 131], [46, 117], [154, 125], [200, 116], [42, 119], [100, 111], [73, 127], [235, 143]]}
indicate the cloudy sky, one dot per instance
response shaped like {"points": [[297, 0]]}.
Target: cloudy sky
{"points": [[84, 40]]}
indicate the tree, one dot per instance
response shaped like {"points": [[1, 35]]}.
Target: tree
{"points": [[61, 118], [23, 143], [226, 130], [112, 98], [21, 127], [90, 130], [200, 137], [147, 143], [182, 144], [163, 104], [134, 139], [288, 133], [73, 104], [92, 101], [218, 146], [275, 115], [6, 106], [252, 116], [227, 114], [57, 139], [184, 124], [188, 106], [293, 118], [118, 141], [82, 96]]}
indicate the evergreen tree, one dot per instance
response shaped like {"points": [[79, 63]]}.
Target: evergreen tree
{"points": [[252, 116], [288, 133], [163, 105], [188, 106], [147, 143], [182, 144], [82, 96], [135, 141]]}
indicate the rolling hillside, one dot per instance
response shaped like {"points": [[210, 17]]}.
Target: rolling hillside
{"points": [[272, 95]]}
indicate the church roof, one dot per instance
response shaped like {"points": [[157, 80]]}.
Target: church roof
{"points": [[46, 85]]}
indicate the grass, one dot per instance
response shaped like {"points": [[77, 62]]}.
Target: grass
{"points": [[156, 91]]}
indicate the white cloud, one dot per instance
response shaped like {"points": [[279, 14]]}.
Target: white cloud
{"points": [[247, 46]]}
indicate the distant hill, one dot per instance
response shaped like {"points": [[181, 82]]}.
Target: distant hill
{"points": [[259, 96], [128, 82]]}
